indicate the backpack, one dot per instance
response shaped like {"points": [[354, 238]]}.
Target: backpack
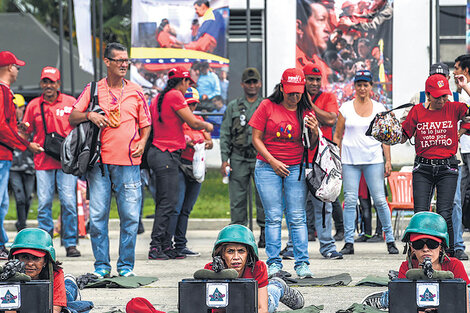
{"points": [[81, 149], [324, 179]]}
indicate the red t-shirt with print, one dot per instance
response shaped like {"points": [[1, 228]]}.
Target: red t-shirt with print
{"points": [[57, 120], [282, 132], [450, 264], [196, 136], [259, 273], [168, 134], [436, 130]]}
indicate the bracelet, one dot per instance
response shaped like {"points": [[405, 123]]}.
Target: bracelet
{"points": [[87, 116]]}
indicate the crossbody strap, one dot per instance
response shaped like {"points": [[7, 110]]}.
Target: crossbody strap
{"points": [[43, 118]]}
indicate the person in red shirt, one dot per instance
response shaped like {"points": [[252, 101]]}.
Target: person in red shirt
{"points": [[435, 129], [236, 248], [34, 248], [169, 112], [189, 186], [426, 236], [165, 36], [125, 128], [9, 137], [278, 124], [48, 114]]}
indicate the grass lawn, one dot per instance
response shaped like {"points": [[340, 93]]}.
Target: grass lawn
{"points": [[213, 201]]}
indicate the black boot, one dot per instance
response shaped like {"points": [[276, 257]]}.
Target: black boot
{"points": [[347, 249], [262, 239], [392, 249]]}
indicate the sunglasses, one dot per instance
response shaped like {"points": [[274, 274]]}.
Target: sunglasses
{"points": [[430, 243]]}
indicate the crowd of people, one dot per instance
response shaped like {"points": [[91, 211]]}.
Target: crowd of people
{"points": [[264, 140]]}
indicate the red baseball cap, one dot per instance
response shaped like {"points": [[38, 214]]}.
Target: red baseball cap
{"points": [[34, 252], [140, 305], [414, 237], [50, 72], [7, 58], [311, 69], [293, 80], [437, 86], [179, 72]]}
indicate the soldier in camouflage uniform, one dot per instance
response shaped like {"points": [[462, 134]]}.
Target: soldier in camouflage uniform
{"points": [[236, 146]]}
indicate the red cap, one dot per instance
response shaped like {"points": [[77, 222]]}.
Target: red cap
{"points": [[7, 58], [34, 252], [179, 72], [140, 305], [311, 69], [437, 86], [293, 80], [414, 237], [50, 72]]}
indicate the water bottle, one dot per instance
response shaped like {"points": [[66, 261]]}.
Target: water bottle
{"points": [[227, 174]]}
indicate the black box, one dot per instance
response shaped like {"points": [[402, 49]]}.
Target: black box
{"points": [[233, 296], [404, 295]]}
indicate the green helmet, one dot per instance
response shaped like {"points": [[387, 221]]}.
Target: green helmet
{"points": [[428, 223], [33, 238], [237, 234]]}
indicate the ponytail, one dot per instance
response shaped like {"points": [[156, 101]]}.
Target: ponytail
{"points": [[172, 83]]}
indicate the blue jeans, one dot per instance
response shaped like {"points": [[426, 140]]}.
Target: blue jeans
{"points": [[188, 193], [457, 216], [374, 175], [4, 201], [75, 306], [277, 193], [275, 292], [125, 182], [327, 242], [67, 189]]}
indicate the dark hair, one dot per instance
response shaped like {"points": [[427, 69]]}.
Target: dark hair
{"points": [[304, 10], [464, 61], [196, 65], [172, 83], [201, 2], [162, 25], [204, 65], [113, 46], [330, 56], [217, 98], [302, 106]]}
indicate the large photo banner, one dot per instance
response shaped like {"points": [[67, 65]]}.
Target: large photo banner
{"points": [[186, 33], [343, 37]]}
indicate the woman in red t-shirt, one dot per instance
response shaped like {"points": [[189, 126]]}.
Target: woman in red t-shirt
{"points": [[189, 186], [434, 126], [169, 112], [236, 248], [427, 239], [33, 247], [278, 124]]}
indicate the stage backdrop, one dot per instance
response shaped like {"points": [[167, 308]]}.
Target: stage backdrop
{"points": [[343, 37]]}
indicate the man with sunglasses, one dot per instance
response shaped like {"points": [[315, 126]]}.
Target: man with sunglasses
{"points": [[9, 137], [426, 237], [125, 128], [237, 150], [46, 114]]}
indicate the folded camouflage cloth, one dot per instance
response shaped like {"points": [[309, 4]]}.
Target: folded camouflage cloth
{"points": [[332, 281], [122, 282], [374, 281], [308, 309], [360, 308]]}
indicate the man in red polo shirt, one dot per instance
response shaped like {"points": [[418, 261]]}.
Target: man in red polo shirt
{"points": [[9, 138], [56, 108]]}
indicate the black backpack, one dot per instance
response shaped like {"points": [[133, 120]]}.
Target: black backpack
{"points": [[81, 149]]}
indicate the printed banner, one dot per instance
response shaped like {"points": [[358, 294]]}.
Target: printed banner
{"points": [[83, 28], [342, 37], [467, 22], [178, 32]]}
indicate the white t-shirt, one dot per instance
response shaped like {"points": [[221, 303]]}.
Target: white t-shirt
{"points": [[357, 148]]}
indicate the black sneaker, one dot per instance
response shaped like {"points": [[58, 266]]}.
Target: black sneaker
{"points": [[157, 254], [140, 228], [376, 238], [347, 249], [72, 252], [392, 249], [311, 237], [461, 255], [174, 254], [339, 236], [362, 238], [262, 239], [292, 298], [185, 251]]}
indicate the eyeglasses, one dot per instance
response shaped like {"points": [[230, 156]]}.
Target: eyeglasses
{"points": [[120, 61], [430, 243]]}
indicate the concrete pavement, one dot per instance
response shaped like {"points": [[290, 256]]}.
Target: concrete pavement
{"points": [[369, 259]]}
